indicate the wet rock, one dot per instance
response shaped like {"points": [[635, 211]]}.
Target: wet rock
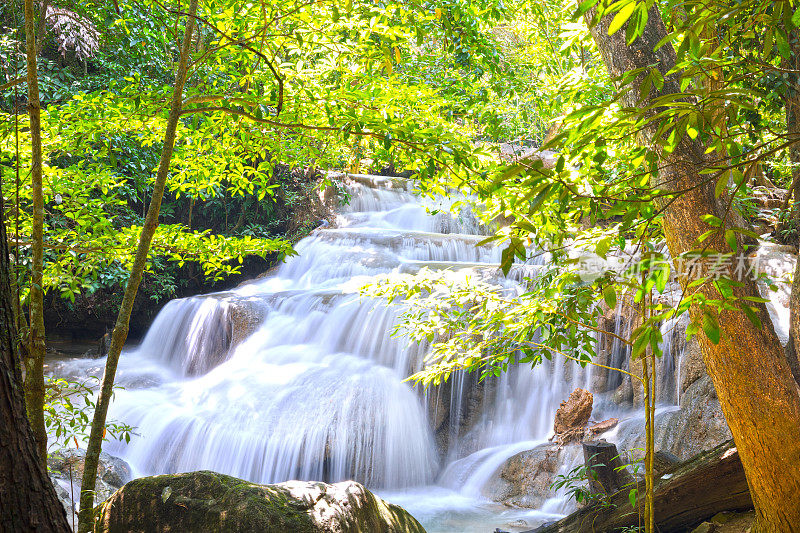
{"points": [[617, 322], [778, 263], [768, 197], [692, 366], [245, 317], [698, 425], [623, 395], [65, 467], [524, 480], [112, 471], [208, 501], [66, 499], [731, 522], [705, 527], [455, 410], [572, 416]]}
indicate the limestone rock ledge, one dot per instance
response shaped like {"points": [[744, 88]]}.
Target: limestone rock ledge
{"points": [[207, 501]]}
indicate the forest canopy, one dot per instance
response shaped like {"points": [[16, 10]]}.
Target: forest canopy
{"points": [[656, 132]]}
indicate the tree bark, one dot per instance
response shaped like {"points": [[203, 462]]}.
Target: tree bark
{"points": [[791, 208], [120, 333], [748, 366], [691, 492], [28, 501], [608, 475], [792, 105], [34, 362], [794, 324]]}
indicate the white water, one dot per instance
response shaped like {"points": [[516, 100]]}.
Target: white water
{"points": [[317, 392]]}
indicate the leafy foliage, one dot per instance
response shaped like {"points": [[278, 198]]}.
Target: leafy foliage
{"points": [[67, 413]]}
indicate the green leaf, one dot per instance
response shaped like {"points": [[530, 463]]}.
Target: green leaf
{"points": [[711, 327], [752, 316], [621, 17], [511, 171], [603, 246], [585, 6], [692, 329], [632, 496], [541, 197], [730, 237], [641, 342], [662, 277], [506, 260], [796, 19], [610, 296], [722, 184]]}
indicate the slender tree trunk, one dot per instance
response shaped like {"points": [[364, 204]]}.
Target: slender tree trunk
{"points": [[794, 324], [120, 333], [793, 213], [793, 131], [748, 366], [28, 501], [34, 362]]}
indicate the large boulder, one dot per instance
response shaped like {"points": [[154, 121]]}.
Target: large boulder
{"points": [[524, 479], [207, 501], [698, 425]]}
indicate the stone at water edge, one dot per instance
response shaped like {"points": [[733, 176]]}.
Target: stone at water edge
{"points": [[65, 467], [112, 470], [524, 479], [204, 501], [572, 416]]}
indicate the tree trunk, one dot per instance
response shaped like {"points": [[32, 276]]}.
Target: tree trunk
{"points": [[794, 324], [793, 213], [28, 500], [691, 492], [608, 475], [120, 333], [748, 366], [34, 362]]}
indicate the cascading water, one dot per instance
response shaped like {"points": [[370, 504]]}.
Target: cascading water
{"points": [[297, 377]]}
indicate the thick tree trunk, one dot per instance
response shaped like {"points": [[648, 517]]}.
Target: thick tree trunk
{"points": [[608, 475], [34, 362], [28, 500], [691, 492], [748, 366], [120, 333]]}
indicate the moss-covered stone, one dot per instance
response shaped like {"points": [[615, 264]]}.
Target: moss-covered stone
{"points": [[207, 501]]}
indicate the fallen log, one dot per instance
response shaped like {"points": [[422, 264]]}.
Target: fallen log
{"points": [[684, 495]]}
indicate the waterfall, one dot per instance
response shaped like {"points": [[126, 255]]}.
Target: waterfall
{"points": [[295, 376]]}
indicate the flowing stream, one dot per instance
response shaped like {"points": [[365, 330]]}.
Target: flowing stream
{"points": [[295, 376]]}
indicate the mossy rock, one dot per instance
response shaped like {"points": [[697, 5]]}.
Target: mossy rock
{"points": [[207, 501]]}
